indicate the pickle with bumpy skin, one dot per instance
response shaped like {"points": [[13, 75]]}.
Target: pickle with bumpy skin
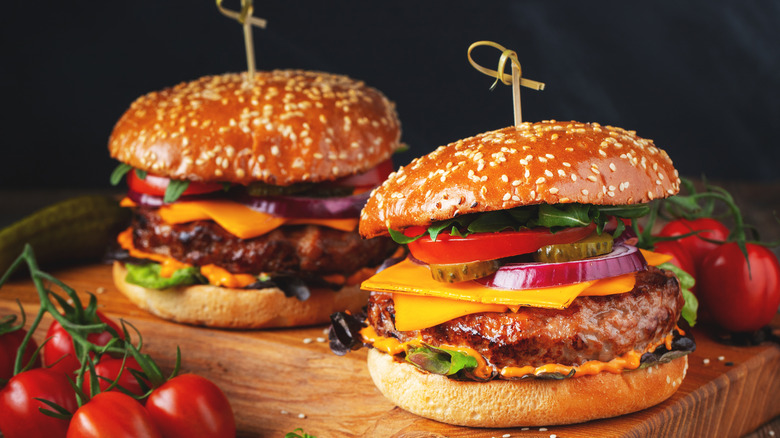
{"points": [[455, 272], [591, 246], [71, 230]]}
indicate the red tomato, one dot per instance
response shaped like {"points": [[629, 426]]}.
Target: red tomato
{"points": [[191, 406], [738, 300], [9, 345], [60, 345], [697, 248], [109, 368], [489, 246], [370, 178], [112, 414], [681, 258], [156, 185], [19, 414]]}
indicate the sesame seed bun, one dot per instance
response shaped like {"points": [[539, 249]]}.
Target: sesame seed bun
{"points": [[547, 162], [215, 306], [516, 403], [289, 126]]}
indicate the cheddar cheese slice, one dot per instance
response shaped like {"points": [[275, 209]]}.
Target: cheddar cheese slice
{"points": [[240, 220]]}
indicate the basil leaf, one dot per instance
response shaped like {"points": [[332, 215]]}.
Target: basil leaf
{"points": [[175, 188], [149, 276], [141, 174], [401, 238], [119, 173], [687, 281]]}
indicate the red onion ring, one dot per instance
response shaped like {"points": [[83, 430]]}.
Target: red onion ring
{"points": [[517, 276], [344, 207]]}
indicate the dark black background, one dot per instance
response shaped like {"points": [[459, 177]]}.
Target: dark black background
{"points": [[701, 78]]}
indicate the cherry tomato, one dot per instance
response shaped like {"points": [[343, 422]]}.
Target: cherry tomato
{"points": [[681, 258], [739, 300], [489, 246], [370, 178], [191, 406], [112, 414], [109, 368], [60, 346], [156, 185], [19, 414], [698, 248], [9, 345]]}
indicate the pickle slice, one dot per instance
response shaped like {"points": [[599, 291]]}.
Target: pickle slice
{"points": [[455, 272], [590, 246]]}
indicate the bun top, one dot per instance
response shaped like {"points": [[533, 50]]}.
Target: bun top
{"points": [[547, 162], [289, 126]]}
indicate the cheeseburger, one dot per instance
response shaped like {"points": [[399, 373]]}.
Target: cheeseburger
{"points": [[522, 301], [246, 196]]}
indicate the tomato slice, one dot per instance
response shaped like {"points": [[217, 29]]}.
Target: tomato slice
{"points": [[156, 185], [370, 178], [489, 246]]}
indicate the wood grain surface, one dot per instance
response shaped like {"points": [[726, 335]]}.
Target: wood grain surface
{"points": [[279, 380]]}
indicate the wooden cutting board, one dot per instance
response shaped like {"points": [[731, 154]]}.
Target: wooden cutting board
{"points": [[279, 380]]}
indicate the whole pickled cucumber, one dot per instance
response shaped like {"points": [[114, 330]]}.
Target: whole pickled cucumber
{"points": [[455, 272], [590, 246], [71, 230]]}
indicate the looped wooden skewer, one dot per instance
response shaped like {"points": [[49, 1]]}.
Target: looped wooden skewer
{"points": [[516, 81], [247, 20]]}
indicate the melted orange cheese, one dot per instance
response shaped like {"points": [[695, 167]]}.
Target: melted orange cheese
{"points": [[221, 277], [655, 258], [628, 361], [240, 220]]}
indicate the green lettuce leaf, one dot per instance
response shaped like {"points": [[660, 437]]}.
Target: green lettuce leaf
{"points": [[687, 281], [440, 360], [119, 173], [149, 276], [175, 188]]}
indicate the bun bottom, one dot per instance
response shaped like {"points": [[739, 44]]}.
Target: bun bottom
{"points": [[216, 306], [500, 403]]}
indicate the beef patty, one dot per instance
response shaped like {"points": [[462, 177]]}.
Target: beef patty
{"points": [[290, 249], [591, 328]]}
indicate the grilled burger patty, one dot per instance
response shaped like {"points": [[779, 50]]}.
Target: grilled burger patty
{"points": [[591, 328], [306, 249]]}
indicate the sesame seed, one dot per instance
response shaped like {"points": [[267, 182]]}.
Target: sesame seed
{"points": [[307, 340], [504, 178], [612, 167], [592, 178], [301, 415], [585, 192], [321, 339], [275, 150], [705, 361], [721, 358], [553, 190], [540, 180], [507, 196], [283, 412], [542, 429], [506, 435]]}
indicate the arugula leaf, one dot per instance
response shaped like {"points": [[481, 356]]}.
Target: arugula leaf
{"points": [[563, 215], [401, 238], [175, 188], [141, 174], [149, 276], [119, 173], [492, 221], [687, 281], [554, 217]]}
